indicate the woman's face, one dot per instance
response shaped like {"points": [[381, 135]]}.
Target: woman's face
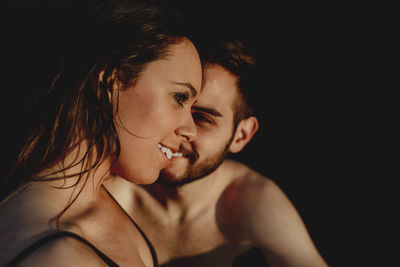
{"points": [[154, 115]]}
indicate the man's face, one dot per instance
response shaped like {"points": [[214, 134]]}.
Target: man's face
{"points": [[213, 115]]}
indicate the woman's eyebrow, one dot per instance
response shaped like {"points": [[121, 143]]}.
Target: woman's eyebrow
{"points": [[188, 85]]}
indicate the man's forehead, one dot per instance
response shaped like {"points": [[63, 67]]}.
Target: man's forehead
{"points": [[219, 85], [218, 92]]}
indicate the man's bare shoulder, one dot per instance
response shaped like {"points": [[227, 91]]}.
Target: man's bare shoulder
{"points": [[253, 203], [256, 200], [246, 179], [251, 195], [255, 210], [247, 195], [63, 252]]}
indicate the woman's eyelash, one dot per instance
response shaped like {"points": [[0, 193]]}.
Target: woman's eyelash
{"points": [[181, 97]]}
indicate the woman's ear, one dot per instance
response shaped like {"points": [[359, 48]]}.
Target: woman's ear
{"points": [[111, 80], [101, 76], [244, 133]]}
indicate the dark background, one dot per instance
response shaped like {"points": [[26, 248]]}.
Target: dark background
{"points": [[323, 120]]}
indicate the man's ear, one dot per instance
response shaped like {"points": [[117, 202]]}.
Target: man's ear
{"points": [[244, 133]]}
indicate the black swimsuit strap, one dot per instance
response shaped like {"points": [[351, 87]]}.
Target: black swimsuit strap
{"points": [[54, 236], [152, 250]]}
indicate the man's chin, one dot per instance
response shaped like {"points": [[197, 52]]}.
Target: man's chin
{"points": [[168, 182], [178, 179], [167, 179], [178, 166]]}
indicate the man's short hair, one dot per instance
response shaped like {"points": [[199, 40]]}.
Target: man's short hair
{"points": [[232, 54]]}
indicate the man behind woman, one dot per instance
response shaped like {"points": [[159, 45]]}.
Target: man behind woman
{"points": [[206, 209]]}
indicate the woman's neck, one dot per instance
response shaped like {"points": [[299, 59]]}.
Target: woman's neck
{"points": [[75, 179]]}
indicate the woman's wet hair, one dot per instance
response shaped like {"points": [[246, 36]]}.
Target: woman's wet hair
{"points": [[114, 40]]}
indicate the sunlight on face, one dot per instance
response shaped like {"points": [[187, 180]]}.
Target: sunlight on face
{"points": [[157, 110]]}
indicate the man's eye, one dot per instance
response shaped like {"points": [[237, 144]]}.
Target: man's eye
{"points": [[198, 117], [181, 98]]}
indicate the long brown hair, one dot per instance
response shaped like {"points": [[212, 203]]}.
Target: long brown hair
{"points": [[114, 36]]}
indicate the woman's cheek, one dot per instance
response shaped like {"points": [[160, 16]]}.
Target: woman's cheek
{"points": [[162, 120]]}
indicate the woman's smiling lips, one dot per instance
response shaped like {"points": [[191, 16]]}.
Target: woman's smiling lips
{"points": [[168, 154]]}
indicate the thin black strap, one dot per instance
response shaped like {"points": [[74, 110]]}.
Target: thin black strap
{"points": [[52, 237], [152, 250]]}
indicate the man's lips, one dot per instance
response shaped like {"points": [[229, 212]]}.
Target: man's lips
{"points": [[190, 154]]}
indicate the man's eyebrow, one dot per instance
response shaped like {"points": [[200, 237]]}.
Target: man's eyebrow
{"points": [[207, 110], [188, 85]]}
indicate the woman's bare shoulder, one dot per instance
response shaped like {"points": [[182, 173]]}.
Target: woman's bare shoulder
{"points": [[26, 217], [63, 251]]}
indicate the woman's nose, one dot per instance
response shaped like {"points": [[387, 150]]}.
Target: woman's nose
{"points": [[187, 131]]}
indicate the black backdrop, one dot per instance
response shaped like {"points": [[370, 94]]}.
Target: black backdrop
{"points": [[316, 132]]}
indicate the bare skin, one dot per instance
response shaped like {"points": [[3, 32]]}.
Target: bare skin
{"points": [[214, 219], [28, 215]]}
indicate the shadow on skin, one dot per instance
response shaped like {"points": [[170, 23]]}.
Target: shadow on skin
{"points": [[223, 254], [253, 257]]}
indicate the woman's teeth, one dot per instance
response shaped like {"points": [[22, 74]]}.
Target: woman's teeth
{"points": [[168, 152]]}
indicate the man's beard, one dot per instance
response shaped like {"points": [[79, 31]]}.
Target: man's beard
{"points": [[193, 172]]}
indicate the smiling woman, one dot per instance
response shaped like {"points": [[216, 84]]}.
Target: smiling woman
{"points": [[123, 88], [156, 111]]}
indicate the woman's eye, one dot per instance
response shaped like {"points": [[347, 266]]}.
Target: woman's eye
{"points": [[198, 117], [181, 98]]}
